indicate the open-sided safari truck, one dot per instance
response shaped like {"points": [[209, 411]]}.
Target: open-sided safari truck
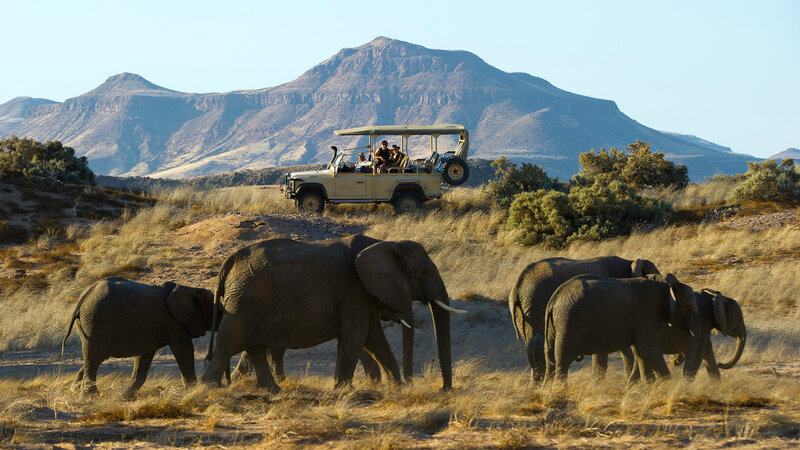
{"points": [[406, 184]]}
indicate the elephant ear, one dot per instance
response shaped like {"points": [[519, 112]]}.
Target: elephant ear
{"points": [[637, 268], [381, 272], [720, 310], [671, 299], [185, 307], [642, 267]]}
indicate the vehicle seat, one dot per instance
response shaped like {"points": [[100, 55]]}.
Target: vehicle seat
{"points": [[400, 167]]}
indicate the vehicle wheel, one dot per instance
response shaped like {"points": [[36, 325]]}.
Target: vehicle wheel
{"points": [[310, 202], [407, 203], [455, 171]]}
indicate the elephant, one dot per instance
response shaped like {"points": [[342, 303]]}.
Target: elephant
{"points": [[715, 311], [121, 318], [589, 314], [535, 285], [282, 293]]}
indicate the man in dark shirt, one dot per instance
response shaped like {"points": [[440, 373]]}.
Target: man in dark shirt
{"points": [[382, 157]]}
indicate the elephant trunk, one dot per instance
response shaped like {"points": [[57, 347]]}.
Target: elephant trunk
{"points": [[441, 325], [740, 341], [408, 351]]}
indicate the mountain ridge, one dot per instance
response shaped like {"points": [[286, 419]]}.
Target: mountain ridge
{"points": [[129, 126]]}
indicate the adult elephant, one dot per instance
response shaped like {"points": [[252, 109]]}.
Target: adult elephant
{"points": [[590, 315], [536, 284], [287, 294], [121, 318]]}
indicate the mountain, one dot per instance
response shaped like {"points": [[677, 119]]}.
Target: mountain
{"points": [[12, 112], [129, 126], [793, 153]]}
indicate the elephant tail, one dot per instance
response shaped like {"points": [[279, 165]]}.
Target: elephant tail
{"points": [[76, 315], [219, 293]]}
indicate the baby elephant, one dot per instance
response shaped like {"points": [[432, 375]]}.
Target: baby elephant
{"points": [[121, 318], [589, 314]]}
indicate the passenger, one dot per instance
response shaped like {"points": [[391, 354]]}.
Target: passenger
{"points": [[396, 157], [382, 157], [363, 165]]}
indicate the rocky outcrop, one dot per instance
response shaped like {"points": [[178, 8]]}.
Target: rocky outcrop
{"points": [[129, 126]]}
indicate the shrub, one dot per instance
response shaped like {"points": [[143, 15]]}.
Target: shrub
{"points": [[636, 166], [601, 210], [511, 180], [769, 181], [50, 162]]}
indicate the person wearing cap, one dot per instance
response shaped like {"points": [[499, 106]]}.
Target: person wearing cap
{"points": [[363, 165]]}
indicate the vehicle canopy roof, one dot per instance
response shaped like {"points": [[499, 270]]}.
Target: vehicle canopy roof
{"points": [[401, 130]]}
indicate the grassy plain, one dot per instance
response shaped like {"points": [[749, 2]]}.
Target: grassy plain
{"points": [[188, 233]]}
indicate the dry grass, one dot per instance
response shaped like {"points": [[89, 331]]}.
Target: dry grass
{"points": [[492, 406]]}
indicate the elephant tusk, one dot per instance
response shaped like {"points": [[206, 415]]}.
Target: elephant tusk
{"points": [[405, 324], [691, 333], [450, 309]]}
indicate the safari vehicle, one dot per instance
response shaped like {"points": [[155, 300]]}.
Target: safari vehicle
{"points": [[405, 185]]}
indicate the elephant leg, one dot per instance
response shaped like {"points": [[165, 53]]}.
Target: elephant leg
{"points": [[550, 368], [91, 362], [710, 361], [536, 358], [599, 365], [275, 358], [141, 366], [90, 367], [371, 367], [226, 347], [651, 358], [183, 350], [630, 364], [264, 379], [354, 323], [78, 377], [563, 358], [243, 368], [378, 347]]}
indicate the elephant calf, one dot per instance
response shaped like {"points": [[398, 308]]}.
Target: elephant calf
{"points": [[589, 314], [120, 318]]}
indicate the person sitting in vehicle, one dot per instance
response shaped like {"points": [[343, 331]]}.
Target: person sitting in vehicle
{"points": [[363, 165], [396, 157], [382, 157]]}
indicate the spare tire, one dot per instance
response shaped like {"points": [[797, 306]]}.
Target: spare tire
{"points": [[455, 171]]}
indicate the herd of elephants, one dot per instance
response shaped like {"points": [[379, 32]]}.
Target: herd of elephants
{"points": [[281, 293]]}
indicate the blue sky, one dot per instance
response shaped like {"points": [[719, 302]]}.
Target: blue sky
{"points": [[726, 71]]}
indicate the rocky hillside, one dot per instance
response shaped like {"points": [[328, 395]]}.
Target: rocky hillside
{"points": [[793, 153], [129, 126]]}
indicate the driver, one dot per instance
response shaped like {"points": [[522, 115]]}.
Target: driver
{"points": [[363, 165]]}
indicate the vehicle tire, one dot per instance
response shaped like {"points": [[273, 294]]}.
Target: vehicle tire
{"points": [[407, 203], [310, 202], [455, 171]]}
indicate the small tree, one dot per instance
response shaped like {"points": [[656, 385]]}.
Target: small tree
{"points": [[769, 181], [511, 180], [50, 162], [636, 166]]}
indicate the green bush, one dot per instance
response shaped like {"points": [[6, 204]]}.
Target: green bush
{"points": [[511, 180], [50, 162], [769, 181], [636, 166], [598, 211]]}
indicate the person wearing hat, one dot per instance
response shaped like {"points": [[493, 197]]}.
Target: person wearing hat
{"points": [[396, 157]]}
